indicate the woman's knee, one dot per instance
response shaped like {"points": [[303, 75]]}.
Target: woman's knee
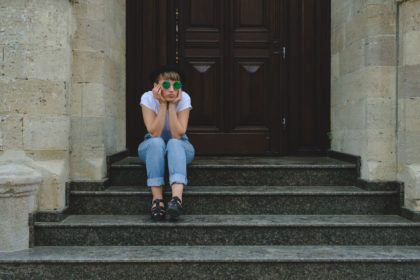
{"points": [[154, 144], [174, 143], [157, 143]]}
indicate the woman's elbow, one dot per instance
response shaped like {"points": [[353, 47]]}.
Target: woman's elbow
{"points": [[155, 135], [178, 134]]}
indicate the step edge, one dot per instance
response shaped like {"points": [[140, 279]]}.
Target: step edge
{"points": [[248, 166], [402, 224], [275, 259], [233, 193]]}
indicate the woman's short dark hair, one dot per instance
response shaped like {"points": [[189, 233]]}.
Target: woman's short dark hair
{"points": [[166, 70]]}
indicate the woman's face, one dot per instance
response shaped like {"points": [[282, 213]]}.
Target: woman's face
{"points": [[170, 93]]}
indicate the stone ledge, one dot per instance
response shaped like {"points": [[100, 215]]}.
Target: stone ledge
{"points": [[18, 189], [12, 174]]}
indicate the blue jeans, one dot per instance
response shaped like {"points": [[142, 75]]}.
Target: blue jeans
{"points": [[153, 151]]}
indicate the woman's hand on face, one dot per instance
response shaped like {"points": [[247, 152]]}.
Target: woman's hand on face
{"points": [[157, 93], [178, 97]]}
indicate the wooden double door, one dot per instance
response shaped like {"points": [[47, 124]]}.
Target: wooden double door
{"points": [[257, 71]]}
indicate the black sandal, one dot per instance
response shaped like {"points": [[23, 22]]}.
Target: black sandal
{"points": [[158, 212], [174, 208]]}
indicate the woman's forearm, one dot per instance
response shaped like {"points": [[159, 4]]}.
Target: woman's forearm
{"points": [[177, 130], [158, 123]]}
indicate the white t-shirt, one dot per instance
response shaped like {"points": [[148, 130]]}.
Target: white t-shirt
{"points": [[150, 102]]}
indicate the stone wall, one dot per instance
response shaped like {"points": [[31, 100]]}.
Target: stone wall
{"points": [[98, 86], [35, 75], [62, 89], [409, 102], [363, 84]]}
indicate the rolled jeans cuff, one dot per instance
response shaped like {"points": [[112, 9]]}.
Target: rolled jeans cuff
{"points": [[178, 178], [155, 182]]}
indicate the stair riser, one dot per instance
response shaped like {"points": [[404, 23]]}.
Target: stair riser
{"points": [[244, 204], [198, 235], [247, 177], [213, 270]]}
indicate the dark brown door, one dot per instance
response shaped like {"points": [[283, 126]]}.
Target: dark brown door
{"points": [[238, 57], [232, 54]]}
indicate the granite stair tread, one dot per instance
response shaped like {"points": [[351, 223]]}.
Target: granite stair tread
{"points": [[235, 220], [225, 171], [219, 254], [243, 190], [240, 199], [252, 162]]}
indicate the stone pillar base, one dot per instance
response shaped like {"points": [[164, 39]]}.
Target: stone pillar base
{"points": [[412, 187], [18, 187]]}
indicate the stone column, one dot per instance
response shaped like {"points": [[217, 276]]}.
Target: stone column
{"points": [[35, 75], [363, 84], [409, 102], [98, 86], [18, 187]]}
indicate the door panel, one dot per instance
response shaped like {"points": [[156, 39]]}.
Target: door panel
{"points": [[249, 95], [309, 120], [249, 13], [239, 76]]}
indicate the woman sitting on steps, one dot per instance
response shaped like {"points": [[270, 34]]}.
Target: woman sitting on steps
{"points": [[166, 111]]}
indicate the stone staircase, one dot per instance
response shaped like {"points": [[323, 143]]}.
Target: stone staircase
{"points": [[244, 218]]}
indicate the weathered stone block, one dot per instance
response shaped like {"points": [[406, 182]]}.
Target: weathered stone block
{"points": [[378, 170], [412, 147], [410, 16], [381, 145], [46, 132], [355, 29], [373, 82], [28, 62], [410, 48], [338, 20], [11, 127], [409, 82], [113, 72], [13, 25], [380, 51], [352, 115], [412, 186], [411, 113], [88, 100], [89, 9], [354, 141], [88, 164], [352, 57], [87, 132], [337, 40], [76, 92], [34, 97], [91, 35], [51, 195], [381, 113], [93, 96], [88, 67], [381, 18]]}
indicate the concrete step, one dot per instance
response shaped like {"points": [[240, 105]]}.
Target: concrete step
{"points": [[133, 230], [252, 171], [213, 262], [131, 200]]}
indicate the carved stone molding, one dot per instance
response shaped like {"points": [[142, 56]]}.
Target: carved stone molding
{"points": [[18, 188]]}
